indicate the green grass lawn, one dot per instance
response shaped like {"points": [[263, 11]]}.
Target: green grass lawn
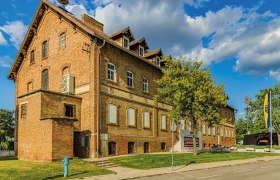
{"points": [[16, 169], [148, 161]]}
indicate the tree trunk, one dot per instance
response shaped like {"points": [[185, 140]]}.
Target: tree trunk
{"points": [[194, 141], [278, 137]]}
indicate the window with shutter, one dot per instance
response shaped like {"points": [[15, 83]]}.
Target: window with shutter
{"points": [[146, 116], [131, 117], [163, 122], [45, 79], [112, 113]]}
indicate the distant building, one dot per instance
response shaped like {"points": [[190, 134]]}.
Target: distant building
{"points": [[80, 92]]}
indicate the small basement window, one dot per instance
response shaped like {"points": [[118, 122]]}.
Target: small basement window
{"points": [[69, 110]]}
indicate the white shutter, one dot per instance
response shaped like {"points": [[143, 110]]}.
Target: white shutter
{"points": [[131, 117], [146, 119], [163, 122], [112, 113]]}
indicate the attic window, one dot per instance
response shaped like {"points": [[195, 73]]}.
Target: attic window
{"points": [[158, 61], [141, 51], [126, 42]]}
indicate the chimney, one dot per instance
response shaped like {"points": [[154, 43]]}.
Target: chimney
{"points": [[92, 22]]}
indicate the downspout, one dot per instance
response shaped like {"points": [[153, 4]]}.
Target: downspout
{"points": [[98, 127]]}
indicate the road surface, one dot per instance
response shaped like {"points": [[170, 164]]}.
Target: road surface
{"points": [[262, 170]]}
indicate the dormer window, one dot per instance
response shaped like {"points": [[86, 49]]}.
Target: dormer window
{"points": [[126, 42], [141, 51], [157, 61]]}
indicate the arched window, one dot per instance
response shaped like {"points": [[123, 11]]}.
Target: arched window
{"points": [[112, 148], [30, 86], [62, 40], [45, 79], [130, 147], [45, 49], [129, 79], [111, 72], [146, 147]]}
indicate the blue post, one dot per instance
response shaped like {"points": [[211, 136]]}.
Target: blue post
{"points": [[66, 163]]}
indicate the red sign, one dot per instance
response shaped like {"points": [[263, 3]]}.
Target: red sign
{"points": [[188, 142]]}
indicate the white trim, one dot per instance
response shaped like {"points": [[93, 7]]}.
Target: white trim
{"points": [[126, 38]]}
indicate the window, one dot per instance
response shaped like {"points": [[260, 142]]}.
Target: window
{"points": [[226, 133], [213, 131], [85, 141], [32, 57], [126, 42], [62, 39], [232, 134], [129, 80], [146, 119], [112, 113], [111, 72], [112, 148], [30, 87], [163, 122], [145, 85], [189, 125], [131, 117], [146, 147], [203, 129], [69, 110], [222, 132], [23, 109], [141, 51], [45, 79], [209, 130], [157, 61], [45, 49], [130, 147], [163, 146]]}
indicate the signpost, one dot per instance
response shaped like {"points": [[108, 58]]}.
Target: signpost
{"points": [[173, 128]]}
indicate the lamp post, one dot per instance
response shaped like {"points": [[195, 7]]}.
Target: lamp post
{"points": [[247, 102], [173, 128]]}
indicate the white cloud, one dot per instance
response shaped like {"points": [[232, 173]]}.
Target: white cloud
{"points": [[5, 61], [16, 31], [2, 39], [252, 38]]}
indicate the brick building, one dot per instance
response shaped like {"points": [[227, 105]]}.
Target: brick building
{"points": [[80, 92]]}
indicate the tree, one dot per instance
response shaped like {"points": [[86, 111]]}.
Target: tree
{"points": [[189, 87], [241, 129], [257, 107], [6, 127]]}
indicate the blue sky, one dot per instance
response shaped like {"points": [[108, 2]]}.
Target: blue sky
{"points": [[237, 39]]}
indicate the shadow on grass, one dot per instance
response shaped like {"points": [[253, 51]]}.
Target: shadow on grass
{"points": [[8, 158], [60, 176]]}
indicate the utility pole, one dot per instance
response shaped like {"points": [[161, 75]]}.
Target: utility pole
{"points": [[247, 102]]}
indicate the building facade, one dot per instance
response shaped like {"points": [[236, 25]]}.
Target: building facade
{"points": [[80, 92]]}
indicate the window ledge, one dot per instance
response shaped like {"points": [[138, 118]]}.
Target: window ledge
{"points": [[130, 126], [147, 128], [128, 87], [112, 124], [111, 81], [44, 58], [32, 63]]}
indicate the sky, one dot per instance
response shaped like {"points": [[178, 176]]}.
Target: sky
{"points": [[238, 40]]}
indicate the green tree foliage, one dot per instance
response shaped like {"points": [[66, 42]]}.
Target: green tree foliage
{"points": [[256, 107], [6, 127], [189, 87], [241, 129]]}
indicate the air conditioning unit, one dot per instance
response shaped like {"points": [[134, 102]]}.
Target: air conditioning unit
{"points": [[68, 84]]}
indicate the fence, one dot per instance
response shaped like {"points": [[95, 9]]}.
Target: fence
{"points": [[7, 153]]}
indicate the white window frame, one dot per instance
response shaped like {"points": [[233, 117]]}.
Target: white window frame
{"points": [[163, 117], [143, 50], [112, 118], [131, 122], [222, 132], [145, 85], [62, 40], [126, 39], [146, 119], [209, 131], [129, 79], [111, 72], [213, 131]]}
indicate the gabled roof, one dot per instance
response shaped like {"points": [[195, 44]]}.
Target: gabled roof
{"points": [[140, 41], [44, 6], [122, 31], [153, 52]]}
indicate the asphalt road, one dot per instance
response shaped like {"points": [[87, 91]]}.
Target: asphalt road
{"points": [[262, 170]]}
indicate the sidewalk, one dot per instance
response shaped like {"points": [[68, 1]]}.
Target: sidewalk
{"points": [[129, 173]]}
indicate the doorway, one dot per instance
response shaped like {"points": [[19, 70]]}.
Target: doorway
{"points": [[130, 147]]}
